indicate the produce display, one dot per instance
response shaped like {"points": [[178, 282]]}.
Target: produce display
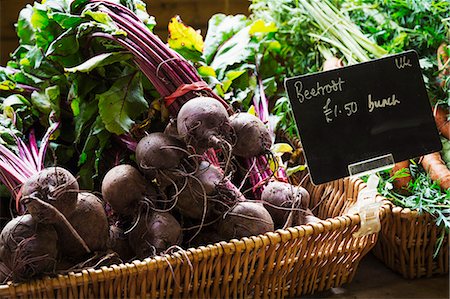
{"points": [[150, 147]]}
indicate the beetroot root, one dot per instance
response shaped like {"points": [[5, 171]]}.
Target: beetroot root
{"points": [[118, 242], [203, 123], [154, 233], [252, 136], [28, 248], [90, 221], [54, 185], [123, 187], [282, 198], [158, 151], [245, 219], [208, 182]]}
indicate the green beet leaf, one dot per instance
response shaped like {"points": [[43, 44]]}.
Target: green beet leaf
{"points": [[220, 29], [121, 103], [99, 61]]}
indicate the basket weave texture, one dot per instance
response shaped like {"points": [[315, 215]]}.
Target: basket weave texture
{"points": [[407, 242], [291, 262]]}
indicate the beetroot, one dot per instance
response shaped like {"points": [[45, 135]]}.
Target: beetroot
{"points": [[158, 151], [191, 201], [118, 242], [252, 136], [89, 220], [207, 184], [123, 187], [54, 185], [28, 248], [154, 233], [203, 123], [305, 217], [245, 219], [282, 198]]}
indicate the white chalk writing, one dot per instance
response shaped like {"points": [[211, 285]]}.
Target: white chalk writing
{"points": [[381, 103], [317, 90], [402, 62]]}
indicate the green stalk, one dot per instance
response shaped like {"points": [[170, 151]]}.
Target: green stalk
{"points": [[336, 27]]}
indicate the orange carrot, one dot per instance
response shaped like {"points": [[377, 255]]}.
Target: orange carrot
{"points": [[437, 169], [443, 63], [442, 122], [401, 184]]}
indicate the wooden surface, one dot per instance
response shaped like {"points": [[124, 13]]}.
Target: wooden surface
{"points": [[374, 280], [196, 13]]}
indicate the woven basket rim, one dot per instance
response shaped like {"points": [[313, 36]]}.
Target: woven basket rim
{"points": [[407, 212]]}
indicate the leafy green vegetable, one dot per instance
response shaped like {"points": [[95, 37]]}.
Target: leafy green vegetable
{"points": [[220, 28], [122, 102], [425, 196], [89, 83], [99, 61], [406, 24]]}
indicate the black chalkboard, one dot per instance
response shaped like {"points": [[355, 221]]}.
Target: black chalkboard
{"points": [[360, 112]]}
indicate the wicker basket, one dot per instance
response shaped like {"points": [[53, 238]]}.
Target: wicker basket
{"points": [[298, 260], [407, 242]]}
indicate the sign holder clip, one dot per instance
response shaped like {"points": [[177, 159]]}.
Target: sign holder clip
{"points": [[367, 205]]}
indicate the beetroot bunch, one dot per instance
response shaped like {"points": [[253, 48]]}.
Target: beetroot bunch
{"points": [[188, 185], [185, 188]]}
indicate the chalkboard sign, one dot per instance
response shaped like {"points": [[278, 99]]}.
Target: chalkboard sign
{"points": [[360, 112]]}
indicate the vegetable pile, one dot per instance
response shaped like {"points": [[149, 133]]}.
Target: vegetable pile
{"points": [[176, 164], [166, 146]]}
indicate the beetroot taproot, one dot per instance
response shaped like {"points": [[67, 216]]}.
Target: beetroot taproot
{"points": [[208, 186], [203, 123], [28, 248], [245, 219], [158, 151], [252, 136], [280, 199], [123, 187], [54, 185], [90, 221], [154, 233]]}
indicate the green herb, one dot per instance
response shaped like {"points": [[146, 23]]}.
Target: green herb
{"points": [[401, 25], [425, 196]]}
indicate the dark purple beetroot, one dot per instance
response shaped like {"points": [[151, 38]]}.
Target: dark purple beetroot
{"points": [[154, 233], [54, 185], [203, 123], [123, 187], [158, 151], [207, 184], [118, 242], [89, 220], [27, 248], [281, 198], [245, 219], [252, 136]]}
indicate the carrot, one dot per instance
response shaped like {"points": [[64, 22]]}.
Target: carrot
{"points": [[436, 168], [442, 122], [402, 183], [443, 63]]}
